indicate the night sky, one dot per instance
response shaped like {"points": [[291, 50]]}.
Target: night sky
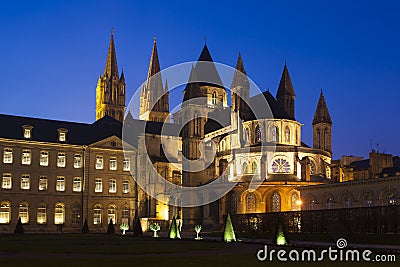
{"points": [[53, 52]]}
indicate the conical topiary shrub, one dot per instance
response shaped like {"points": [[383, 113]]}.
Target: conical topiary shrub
{"points": [[280, 238], [173, 230], [111, 229], [137, 227], [85, 228], [229, 233], [19, 229]]}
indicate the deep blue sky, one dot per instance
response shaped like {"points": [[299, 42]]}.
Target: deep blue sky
{"points": [[53, 52]]}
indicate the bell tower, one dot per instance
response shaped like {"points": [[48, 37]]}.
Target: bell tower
{"points": [[110, 90], [322, 126]]}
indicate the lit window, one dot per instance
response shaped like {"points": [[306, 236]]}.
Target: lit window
{"points": [[258, 134], [113, 163], [287, 134], [253, 167], [6, 182], [244, 168], [296, 202], [5, 212], [59, 213], [127, 165], [98, 185], [42, 183], [112, 186], [41, 215], [274, 133], [99, 162], [276, 202], [125, 215], [62, 135], [112, 214], [23, 212], [280, 165], [77, 186], [61, 160], [60, 184], [246, 135], [44, 158], [25, 182], [251, 203], [76, 215], [8, 155], [97, 215], [328, 172], [27, 130], [77, 161], [125, 187], [26, 157], [214, 98]]}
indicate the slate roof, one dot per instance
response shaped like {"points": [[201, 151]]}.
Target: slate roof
{"points": [[257, 104]]}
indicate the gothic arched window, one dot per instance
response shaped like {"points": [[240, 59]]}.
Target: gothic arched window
{"points": [[274, 133], [233, 204], [276, 202], [246, 136], [294, 200], [244, 168], [280, 165], [319, 138], [287, 134], [253, 167], [258, 134], [250, 203]]}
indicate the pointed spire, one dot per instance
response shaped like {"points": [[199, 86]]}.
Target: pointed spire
{"points": [[122, 78], [154, 66], [285, 85], [206, 71], [240, 89], [111, 63], [205, 54], [192, 89], [240, 76], [239, 64], [322, 114]]}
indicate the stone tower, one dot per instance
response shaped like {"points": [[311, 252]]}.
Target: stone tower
{"points": [[285, 95], [110, 90], [322, 126], [154, 99]]}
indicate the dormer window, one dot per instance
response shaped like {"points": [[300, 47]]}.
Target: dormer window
{"points": [[62, 135], [27, 131]]}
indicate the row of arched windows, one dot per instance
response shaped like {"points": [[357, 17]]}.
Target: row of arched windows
{"points": [[274, 202], [273, 134], [245, 168]]}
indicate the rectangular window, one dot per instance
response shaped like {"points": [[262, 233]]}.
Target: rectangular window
{"points": [[125, 215], [23, 213], [61, 160], [44, 158], [5, 212], [25, 182], [77, 161], [27, 133], [99, 162], [98, 185], [97, 216], [6, 182], [41, 216], [26, 157], [112, 186], [76, 215], [113, 163], [125, 187], [8, 155], [77, 186], [127, 165], [62, 137], [42, 183], [59, 214], [60, 184]]}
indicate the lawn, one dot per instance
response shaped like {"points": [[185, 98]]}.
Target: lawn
{"points": [[115, 250]]}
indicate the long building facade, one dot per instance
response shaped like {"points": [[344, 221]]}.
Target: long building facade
{"points": [[57, 174]]}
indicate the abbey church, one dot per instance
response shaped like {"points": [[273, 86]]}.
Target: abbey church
{"points": [[55, 175]]}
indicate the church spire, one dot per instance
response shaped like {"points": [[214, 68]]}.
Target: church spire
{"points": [[240, 89], [285, 95], [321, 113], [111, 68]]}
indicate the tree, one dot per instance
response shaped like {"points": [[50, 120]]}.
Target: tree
{"points": [[19, 229], [197, 229], [174, 230], [280, 237], [124, 227], [85, 228], [155, 227], [111, 229], [137, 227], [229, 233]]}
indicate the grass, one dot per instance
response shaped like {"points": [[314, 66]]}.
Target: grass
{"points": [[115, 250]]}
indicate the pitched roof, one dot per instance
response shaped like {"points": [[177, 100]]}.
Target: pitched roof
{"points": [[321, 113], [258, 102], [206, 71]]}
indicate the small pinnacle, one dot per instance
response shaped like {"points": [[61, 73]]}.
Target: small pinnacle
{"points": [[155, 39], [112, 31]]}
